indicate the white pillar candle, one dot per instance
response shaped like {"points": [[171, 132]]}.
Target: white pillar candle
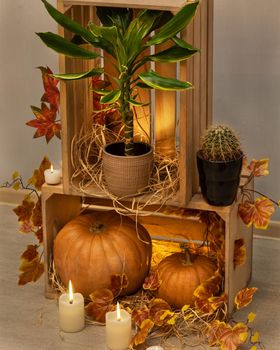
{"points": [[52, 176], [71, 311], [118, 329], [155, 347]]}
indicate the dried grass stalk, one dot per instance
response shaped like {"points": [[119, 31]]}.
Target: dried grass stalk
{"points": [[88, 177]]}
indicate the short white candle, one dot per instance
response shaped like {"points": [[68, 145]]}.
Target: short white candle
{"points": [[155, 347], [118, 329], [71, 311], [52, 176]]}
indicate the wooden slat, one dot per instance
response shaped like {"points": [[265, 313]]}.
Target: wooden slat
{"points": [[149, 4]]}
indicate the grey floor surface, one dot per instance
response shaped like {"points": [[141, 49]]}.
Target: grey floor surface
{"points": [[28, 321]]}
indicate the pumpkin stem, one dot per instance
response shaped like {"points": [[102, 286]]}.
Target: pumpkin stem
{"points": [[187, 258], [97, 227]]}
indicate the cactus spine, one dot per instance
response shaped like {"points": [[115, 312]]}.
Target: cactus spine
{"points": [[220, 144]]}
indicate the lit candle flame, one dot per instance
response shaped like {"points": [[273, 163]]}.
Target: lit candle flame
{"points": [[70, 292], [51, 168], [118, 312]]}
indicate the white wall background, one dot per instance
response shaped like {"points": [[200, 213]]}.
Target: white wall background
{"points": [[246, 82]]}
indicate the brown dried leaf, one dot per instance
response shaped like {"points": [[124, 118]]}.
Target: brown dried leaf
{"points": [[24, 210], [101, 303], [244, 297], [143, 332], [139, 315], [157, 308], [31, 271], [152, 282], [37, 214], [39, 235]]}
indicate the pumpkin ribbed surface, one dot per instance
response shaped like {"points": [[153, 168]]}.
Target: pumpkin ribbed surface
{"points": [[90, 248], [180, 276]]}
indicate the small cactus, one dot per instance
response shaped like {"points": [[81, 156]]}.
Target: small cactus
{"points": [[220, 144]]}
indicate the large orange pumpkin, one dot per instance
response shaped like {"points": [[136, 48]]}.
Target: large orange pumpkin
{"points": [[180, 274], [92, 247]]}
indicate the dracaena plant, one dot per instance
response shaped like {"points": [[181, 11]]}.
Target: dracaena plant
{"points": [[126, 35]]}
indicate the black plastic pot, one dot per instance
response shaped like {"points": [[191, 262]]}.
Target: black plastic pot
{"points": [[219, 181]]}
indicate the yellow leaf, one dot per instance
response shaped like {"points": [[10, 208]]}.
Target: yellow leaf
{"points": [[165, 314], [255, 337], [15, 175], [243, 336], [251, 317], [185, 308], [253, 347], [173, 319], [188, 317], [16, 186]]}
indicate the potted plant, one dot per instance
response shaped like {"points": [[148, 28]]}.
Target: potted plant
{"points": [[219, 163], [126, 35]]}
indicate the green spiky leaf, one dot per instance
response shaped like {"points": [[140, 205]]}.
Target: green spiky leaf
{"points": [[159, 82], [76, 76], [173, 54], [111, 97]]}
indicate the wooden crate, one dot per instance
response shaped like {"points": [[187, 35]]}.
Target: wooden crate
{"points": [[58, 208], [191, 110]]}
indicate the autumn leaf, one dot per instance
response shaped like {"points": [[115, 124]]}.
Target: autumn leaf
{"points": [[229, 338], [255, 337], [45, 122], [38, 178], [118, 283], [142, 333], [16, 186], [257, 213], [157, 308], [244, 297], [208, 288], [51, 94], [39, 235], [30, 253], [36, 217], [24, 210], [259, 167], [251, 317], [26, 227], [152, 282], [101, 303], [210, 305], [139, 315], [239, 257], [31, 271]]}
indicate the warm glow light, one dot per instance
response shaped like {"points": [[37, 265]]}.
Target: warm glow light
{"points": [[118, 312], [51, 168], [70, 292]]}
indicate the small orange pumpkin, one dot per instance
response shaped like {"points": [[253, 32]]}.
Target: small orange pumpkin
{"points": [[180, 274], [91, 248]]}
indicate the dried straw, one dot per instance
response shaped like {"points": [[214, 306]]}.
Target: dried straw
{"points": [[88, 178]]}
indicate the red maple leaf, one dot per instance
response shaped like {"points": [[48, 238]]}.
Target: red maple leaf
{"points": [[51, 94], [244, 297], [45, 122]]}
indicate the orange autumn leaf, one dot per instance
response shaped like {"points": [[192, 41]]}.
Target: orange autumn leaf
{"points": [[259, 167], [39, 235], [24, 210], [152, 282], [101, 303], [210, 305], [45, 122], [239, 257], [31, 271], [51, 95], [38, 178], [26, 227], [208, 288], [257, 213], [244, 297], [229, 338], [157, 308], [30, 253], [139, 315], [118, 283], [142, 333], [36, 217]]}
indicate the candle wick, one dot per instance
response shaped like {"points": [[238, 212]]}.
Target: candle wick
{"points": [[70, 301]]}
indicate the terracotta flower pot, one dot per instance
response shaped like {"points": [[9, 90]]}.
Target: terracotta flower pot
{"points": [[219, 181], [127, 175]]}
